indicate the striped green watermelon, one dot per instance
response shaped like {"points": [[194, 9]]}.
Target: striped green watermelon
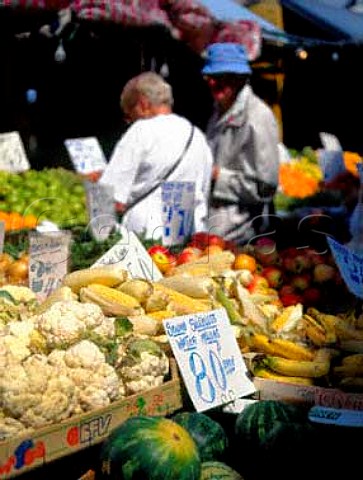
{"points": [[267, 431], [256, 423], [208, 434], [150, 448], [218, 471]]}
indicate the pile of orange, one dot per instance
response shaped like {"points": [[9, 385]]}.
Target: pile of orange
{"points": [[15, 221]]}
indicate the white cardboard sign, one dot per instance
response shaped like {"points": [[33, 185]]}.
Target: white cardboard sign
{"points": [[86, 154], [178, 203], [48, 261], [130, 253], [101, 209], [209, 358], [12, 153]]}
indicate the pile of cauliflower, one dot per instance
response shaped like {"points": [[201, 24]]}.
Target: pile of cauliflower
{"points": [[68, 360]]}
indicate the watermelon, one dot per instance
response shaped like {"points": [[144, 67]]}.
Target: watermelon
{"points": [[218, 471], [259, 420], [150, 448], [208, 434], [266, 432]]}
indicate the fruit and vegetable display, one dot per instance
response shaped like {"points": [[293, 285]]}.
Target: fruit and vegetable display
{"points": [[301, 181], [53, 194], [267, 439], [69, 355]]}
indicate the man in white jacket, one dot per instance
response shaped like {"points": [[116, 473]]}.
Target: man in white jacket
{"points": [[148, 150], [243, 135]]}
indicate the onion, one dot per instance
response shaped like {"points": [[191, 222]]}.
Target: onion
{"points": [[18, 271]]}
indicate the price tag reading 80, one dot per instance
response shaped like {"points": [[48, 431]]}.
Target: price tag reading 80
{"points": [[209, 358]]}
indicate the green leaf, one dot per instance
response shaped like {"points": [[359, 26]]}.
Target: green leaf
{"points": [[122, 326]]}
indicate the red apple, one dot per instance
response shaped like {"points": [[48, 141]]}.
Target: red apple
{"points": [[162, 257], [311, 296], [273, 275], [323, 273], [186, 256], [286, 290], [291, 299], [301, 281], [258, 283], [158, 249], [266, 251]]}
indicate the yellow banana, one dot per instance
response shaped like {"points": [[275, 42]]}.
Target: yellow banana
{"points": [[355, 359], [313, 369], [352, 384], [292, 350], [314, 331], [327, 321], [349, 370], [268, 374]]}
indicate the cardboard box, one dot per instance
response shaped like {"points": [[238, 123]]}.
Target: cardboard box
{"points": [[307, 395], [23, 453]]}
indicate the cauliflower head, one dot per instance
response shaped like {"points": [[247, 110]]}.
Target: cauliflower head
{"points": [[65, 322], [96, 382], [141, 365], [35, 394]]}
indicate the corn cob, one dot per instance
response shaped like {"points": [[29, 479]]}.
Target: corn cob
{"points": [[137, 288], [156, 301], [296, 368], [270, 375], [108, 275], [162, 315], [179, 303], [288, 320], [207, 264], [195, 287], [112, 301]]}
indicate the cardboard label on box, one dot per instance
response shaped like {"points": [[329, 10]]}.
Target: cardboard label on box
{"points": [[21, 454]]}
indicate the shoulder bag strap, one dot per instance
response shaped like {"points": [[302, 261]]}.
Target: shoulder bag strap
{"points": [[167, 175]]}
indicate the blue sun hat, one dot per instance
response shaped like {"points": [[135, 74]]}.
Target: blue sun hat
{"points": [[226, 58]]}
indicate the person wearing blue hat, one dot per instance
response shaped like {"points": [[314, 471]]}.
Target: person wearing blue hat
{"points": [[243, 134]]}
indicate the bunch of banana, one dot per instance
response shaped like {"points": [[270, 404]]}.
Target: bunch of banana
{"points": [[349, 374], [293, 370]]}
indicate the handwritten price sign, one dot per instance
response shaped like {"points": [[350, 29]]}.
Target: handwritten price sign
{"points": [[49, 254], [178, 208], [86, 154], [130, 253], [101, 209], [12, 153], [209, 358]]}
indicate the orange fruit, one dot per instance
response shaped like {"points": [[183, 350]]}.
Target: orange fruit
{"points": [[243, 261]]}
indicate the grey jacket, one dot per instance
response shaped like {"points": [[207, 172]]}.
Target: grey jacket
{"points": [[245, 147]]}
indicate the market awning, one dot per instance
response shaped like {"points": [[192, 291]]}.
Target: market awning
{"points": [[342, 19], [196, 22]]}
